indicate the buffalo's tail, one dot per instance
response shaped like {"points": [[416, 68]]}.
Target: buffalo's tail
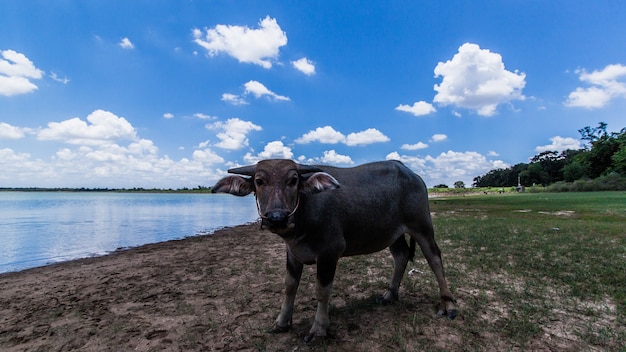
{"points": [[411, 249]]}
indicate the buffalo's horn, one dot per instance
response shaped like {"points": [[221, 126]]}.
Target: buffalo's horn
{"points": [[305, 169], [244, 170]]}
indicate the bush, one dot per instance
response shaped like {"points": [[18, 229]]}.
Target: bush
{"points": [[611, 182]]}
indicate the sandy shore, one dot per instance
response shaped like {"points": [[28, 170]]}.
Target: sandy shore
{"points": [[205, 293]]}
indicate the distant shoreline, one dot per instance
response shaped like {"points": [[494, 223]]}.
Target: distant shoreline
{"points": [[199, 189], [433, 192]]}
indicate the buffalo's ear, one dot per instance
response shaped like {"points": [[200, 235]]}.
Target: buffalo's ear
{"points": [[237, 185], [319, 182]]}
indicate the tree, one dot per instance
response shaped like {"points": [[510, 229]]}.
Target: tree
{"points": [[500, 177], [592, 134], [535, 175], [494, 178], [574, 171], [598, 159], [552, 164], [459, 184], [603, 154], [516, 170], [619, 158]]}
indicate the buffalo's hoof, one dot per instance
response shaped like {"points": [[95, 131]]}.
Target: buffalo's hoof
{"points": [[388, 298], [452, 313], [384, 301], [317, 332], [311, 338], [277, 329]]}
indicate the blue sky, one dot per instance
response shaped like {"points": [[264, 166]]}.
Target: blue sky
{"points": [[171, 94]]}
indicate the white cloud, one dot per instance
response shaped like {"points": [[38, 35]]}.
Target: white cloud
{"points": [[105, 152], [16, 72], [55, 77], [417, 146], [605, 86], [168, 115], [11, 132], [417, 164], [438, 137], [329, 135], [207, 156], [257, 46], [476, 79], [103, 127], [18, 169], [590, 98], [449, 167], [202, 116], [325, 134], [234, 133], [273, 150], [331, 157], [256, 89], [233, 99], [418, 108], [560, 144], [369, 136], [493, 153], [464, 166], [277, 150], [259, 90], [125, 43], [108, 165], [305, 66]]}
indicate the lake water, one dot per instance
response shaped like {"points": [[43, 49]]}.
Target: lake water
{"points": [[39, 228]]}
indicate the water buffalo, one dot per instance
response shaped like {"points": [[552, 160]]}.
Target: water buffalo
{"points": [[324, 213]]}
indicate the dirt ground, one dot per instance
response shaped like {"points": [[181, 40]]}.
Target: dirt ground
{"points": [[213, 293]]}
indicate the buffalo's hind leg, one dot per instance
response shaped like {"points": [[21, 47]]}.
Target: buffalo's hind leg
{"points": [[426, 240], [401, 256]]}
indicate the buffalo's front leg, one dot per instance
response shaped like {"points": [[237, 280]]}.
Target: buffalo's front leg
{"points": [[326, 267], [292, 281]]}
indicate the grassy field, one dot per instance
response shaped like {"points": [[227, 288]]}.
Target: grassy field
{"points": [[531, 266]]}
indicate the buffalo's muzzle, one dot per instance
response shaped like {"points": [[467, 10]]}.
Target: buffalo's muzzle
{"points": [[277, 218]]}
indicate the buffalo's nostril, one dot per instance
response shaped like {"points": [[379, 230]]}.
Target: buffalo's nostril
{"points": [[277, 217]]}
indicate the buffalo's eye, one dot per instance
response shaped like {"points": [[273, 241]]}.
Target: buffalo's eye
{"points": [[259, 182], [293, 181]]}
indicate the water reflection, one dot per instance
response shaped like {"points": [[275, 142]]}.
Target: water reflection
{"points": [[43, 227]]}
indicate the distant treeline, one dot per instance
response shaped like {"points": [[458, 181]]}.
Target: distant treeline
{"points": [[199, 189], [600, 165]]}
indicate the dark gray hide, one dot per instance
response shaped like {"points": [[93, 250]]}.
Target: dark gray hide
{"points": [[324, 213]]}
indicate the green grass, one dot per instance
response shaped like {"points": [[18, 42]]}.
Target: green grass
{"points": [[472, 190], [526, 264]]}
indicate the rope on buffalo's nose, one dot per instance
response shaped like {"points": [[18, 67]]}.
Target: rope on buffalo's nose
{"points": [[294, 209], [258, 208]]}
